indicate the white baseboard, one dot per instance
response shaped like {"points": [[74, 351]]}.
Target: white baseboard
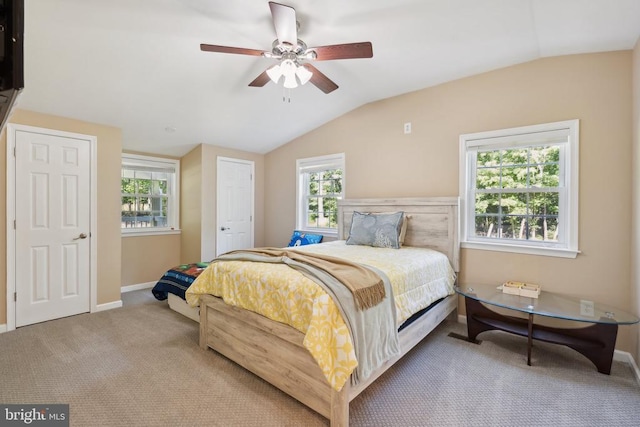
{"points": [[139, 286], [626, 357], [99, 307], [618, 355], [108, 306]]}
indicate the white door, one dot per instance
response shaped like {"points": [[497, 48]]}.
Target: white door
{"points": [[52, 241], [235, 205]]}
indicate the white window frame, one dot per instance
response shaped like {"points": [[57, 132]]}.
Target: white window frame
{"points": [[565, 134], [173, 203], [314, 164]]}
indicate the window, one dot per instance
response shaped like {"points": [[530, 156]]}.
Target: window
{"points": [[149, 190], [519, 189], [320, 186]]}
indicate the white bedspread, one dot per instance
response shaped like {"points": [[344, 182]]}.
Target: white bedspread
{"points": [[418, 276]]}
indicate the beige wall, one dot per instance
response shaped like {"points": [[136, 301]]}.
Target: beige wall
{"points": [[198, 200], [191, 205], [383, 162], [635, 253], [109, 149], [146, 258]]}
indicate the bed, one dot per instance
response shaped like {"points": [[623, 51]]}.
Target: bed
{"points": [[276, 352]]}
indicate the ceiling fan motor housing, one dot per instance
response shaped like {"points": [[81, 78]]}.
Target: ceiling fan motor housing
{"points": [[281, 48]]}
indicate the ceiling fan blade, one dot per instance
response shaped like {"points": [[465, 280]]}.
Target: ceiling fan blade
{"points": [[261, 80], [343, 51], [284, 21], [319, 80], [228, 49]]}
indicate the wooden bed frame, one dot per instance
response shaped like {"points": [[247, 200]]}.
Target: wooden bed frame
{"points": [[274, 351]]}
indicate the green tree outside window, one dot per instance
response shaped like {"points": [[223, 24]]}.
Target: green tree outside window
{"points": [[517, 193]]}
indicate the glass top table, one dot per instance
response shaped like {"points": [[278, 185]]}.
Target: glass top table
{"points": [[549, 304], [596, 341]]}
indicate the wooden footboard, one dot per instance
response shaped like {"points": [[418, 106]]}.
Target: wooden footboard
{"points": [[271, 350], [274, 351]]}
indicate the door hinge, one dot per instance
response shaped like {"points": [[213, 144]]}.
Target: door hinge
{"points": [[14, 224], [15, 296], [14, 151]]}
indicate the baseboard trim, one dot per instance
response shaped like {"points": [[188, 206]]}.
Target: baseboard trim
{"points": [[618, 355], [139, 286], [108, 306], [99, 307], [626, 357]]}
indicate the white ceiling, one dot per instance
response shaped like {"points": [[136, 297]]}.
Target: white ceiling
{"points": [[137, 64]]}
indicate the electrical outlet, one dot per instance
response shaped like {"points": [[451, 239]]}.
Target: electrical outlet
{"points": [[407, 128], [587, 308]]}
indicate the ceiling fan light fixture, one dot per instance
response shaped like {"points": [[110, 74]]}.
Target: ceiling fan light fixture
{"points": [[275, 73], [303, 74], [288, 69], [290, 81]]}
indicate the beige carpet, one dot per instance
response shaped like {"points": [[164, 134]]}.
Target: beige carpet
{"points": [[140, 365]]}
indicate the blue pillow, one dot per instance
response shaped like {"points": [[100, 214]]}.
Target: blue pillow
{"points": [[301, 239]]}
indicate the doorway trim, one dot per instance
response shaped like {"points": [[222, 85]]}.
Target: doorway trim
{"points": [[11, 214]]}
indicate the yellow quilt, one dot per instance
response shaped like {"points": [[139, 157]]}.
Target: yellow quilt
{"points": [[418, 277]]}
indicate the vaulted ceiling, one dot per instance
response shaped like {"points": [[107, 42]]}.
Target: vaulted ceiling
{"points": [[137, 64]]}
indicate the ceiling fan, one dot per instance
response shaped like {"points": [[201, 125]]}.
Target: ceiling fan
{"points": [[293, 54]]}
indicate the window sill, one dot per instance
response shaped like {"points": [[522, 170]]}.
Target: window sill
{"points": [[143, 232], [519, 249], [325, 233]]}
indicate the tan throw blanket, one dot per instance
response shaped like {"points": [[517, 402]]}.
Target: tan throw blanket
{"points": [[366, 286]]}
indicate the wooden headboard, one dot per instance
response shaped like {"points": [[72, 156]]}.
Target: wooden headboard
{"points": [[433, 221]]}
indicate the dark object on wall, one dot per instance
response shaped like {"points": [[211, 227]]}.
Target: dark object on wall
{"points": [[11, 55]]}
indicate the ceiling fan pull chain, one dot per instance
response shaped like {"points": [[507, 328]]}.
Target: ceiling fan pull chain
{"points": [[286, 95]]}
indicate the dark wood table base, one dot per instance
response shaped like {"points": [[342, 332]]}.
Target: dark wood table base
{"points": [[595, 342]]}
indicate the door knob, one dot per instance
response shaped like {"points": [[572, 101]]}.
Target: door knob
{"points": [[225, 228], [81, 236]]}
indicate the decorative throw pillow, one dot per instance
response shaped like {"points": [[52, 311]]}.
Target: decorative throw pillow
{"points": [[300, 239], [380, 230]]}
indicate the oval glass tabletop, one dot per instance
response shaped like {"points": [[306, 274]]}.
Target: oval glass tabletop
{"points": [[549, 304]]}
